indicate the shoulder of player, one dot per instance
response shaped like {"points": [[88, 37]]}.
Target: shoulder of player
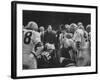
{"points": [[26, 30], [36, 32]]}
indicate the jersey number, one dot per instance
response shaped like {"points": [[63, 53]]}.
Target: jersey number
{"points": [[27, 38]]}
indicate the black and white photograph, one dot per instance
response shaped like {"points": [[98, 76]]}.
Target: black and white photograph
{"points": [[54, 39]]}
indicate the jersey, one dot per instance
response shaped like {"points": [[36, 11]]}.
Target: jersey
{"points": [[30, 38], [27, 41]]}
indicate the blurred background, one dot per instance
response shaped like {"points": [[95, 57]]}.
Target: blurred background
{"points": [[55, 19]]}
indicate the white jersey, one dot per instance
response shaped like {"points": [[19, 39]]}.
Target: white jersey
{"points": [[79, 33], [30, 38]]}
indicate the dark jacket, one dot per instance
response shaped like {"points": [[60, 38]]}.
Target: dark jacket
{"points": [[49, 37]]}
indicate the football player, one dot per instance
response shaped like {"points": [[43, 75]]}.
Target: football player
{"points": [[30, 38], [80, 25], [81, 44], [67, 51], [73, 28]]}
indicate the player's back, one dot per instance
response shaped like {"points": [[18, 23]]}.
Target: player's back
{"points": [[27, 41]]}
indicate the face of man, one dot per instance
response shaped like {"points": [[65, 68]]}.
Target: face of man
{"points": [[49, 28], [41, 29]]}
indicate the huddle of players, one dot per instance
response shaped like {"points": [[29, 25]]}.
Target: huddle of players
{"points": [[35, 40]]}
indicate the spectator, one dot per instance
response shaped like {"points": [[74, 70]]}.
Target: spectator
{"points": [[42, 33]]}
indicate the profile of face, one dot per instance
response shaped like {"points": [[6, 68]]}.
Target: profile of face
{"points": [[41, 29], [49, 28], [67, 27]]}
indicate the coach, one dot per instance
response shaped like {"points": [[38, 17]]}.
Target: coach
{"points": [[50, 36]]}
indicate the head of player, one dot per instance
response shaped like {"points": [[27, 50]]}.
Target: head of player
{"points": [[80, 25], [32, 26], [73, 28]]}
